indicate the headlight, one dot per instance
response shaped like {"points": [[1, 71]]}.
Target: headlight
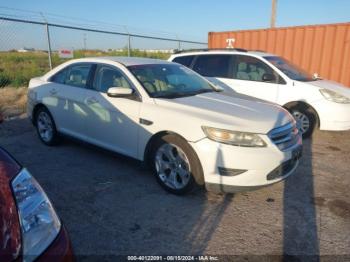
{"points": [[233, 137], [334, 96], [39, 222]]}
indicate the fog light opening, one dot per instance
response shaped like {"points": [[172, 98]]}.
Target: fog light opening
{"points": [[230, 172]]}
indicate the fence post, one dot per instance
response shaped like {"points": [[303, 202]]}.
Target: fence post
{"points": [[48, 45], [48, 39]]}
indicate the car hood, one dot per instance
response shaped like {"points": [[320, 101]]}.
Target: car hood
{"points": [[331, 85], [10, 235], [226, 110]]}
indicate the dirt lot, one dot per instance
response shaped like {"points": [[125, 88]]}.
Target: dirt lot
{"points": [[112, 206], [13, 102]]}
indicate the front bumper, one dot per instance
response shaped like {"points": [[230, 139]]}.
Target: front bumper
{"points": [[60, 249], [333, 116], [30, 107], [264, 166]]}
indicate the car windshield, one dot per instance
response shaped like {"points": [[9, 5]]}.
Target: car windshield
{"points": [[170, 80], [291, 70]]}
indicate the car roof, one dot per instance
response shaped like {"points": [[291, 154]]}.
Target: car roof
{"points": [[228, 52], [126, 61]]}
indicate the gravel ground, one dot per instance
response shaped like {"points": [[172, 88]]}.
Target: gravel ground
{"points": [[112, 206]]}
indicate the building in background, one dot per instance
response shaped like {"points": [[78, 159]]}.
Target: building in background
{"points": [[322, 49], [25, 50]]}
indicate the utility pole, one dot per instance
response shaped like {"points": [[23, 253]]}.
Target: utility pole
{"points": [[84, 42], [129, 40], [273, 14], [129, 45]]}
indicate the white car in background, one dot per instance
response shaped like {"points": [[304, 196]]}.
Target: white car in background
{"points": [[313, 102], [164, 113]]}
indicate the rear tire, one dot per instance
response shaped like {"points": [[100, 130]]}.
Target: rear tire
{"points": [[175, 164], [306, 119], [45, 127]]}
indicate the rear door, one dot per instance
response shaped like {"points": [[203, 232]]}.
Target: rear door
{"points": [[66, 102], [217, 68]]}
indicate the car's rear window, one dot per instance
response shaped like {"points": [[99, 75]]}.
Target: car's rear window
{"points": [[184, 60]]}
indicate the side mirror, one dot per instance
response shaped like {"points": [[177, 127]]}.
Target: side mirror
{"points": [[119, 92], [315, 76], [268, 78]]}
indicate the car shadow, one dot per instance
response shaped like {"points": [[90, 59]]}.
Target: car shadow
{"points": [[300, 234]]}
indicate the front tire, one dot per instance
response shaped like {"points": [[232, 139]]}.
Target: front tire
{"points": [[45, 127], [175, 164], [306, 119]]}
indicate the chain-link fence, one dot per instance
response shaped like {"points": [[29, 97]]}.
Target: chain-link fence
{"points": [[30, 45]]}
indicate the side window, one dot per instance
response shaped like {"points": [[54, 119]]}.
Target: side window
{"points": [[106, 77], [60, 77], [78, 75], [251, 68], [184, 60], [213, 65]]}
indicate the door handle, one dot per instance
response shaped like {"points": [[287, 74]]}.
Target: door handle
{"points": [[53, 91], [91, 100]]}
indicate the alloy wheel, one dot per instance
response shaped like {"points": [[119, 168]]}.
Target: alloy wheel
{"points": [[45, 126], [303, 122], [172, 166]]}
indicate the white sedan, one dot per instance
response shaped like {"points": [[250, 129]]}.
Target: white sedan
{"points": [[169, 116]]}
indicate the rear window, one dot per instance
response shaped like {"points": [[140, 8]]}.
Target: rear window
{"points": [[73, 75], [184, 60]]}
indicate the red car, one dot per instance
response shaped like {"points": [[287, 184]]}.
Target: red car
{"points": [[29, 226]]}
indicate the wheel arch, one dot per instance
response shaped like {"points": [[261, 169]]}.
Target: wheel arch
{"points": [[35, 110], [289, 105], [199, 178], [153, 139]]}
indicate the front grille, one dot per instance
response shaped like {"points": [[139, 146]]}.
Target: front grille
{"points": [[285, 136]]}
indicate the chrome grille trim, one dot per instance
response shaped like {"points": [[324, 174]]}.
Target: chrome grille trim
{"points": [[283, 140], [285, 136], [279, 131]]}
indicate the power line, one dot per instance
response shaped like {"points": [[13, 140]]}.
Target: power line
{"points": [[101, 31], [78, 22]]}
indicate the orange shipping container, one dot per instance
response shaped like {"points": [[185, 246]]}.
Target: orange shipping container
{"points": [[322, 49]]}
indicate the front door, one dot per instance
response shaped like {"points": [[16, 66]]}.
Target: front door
{"points": [[113, 122], [252, 77]]}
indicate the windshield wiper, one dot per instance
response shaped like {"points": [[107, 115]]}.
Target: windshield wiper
{"points": [[171, 95], [205, 91], [182, 94]]}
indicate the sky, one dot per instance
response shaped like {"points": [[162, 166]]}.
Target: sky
{"points": [[191, 19]]}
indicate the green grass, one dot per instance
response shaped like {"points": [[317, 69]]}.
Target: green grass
{"points": [[16, 69]]}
